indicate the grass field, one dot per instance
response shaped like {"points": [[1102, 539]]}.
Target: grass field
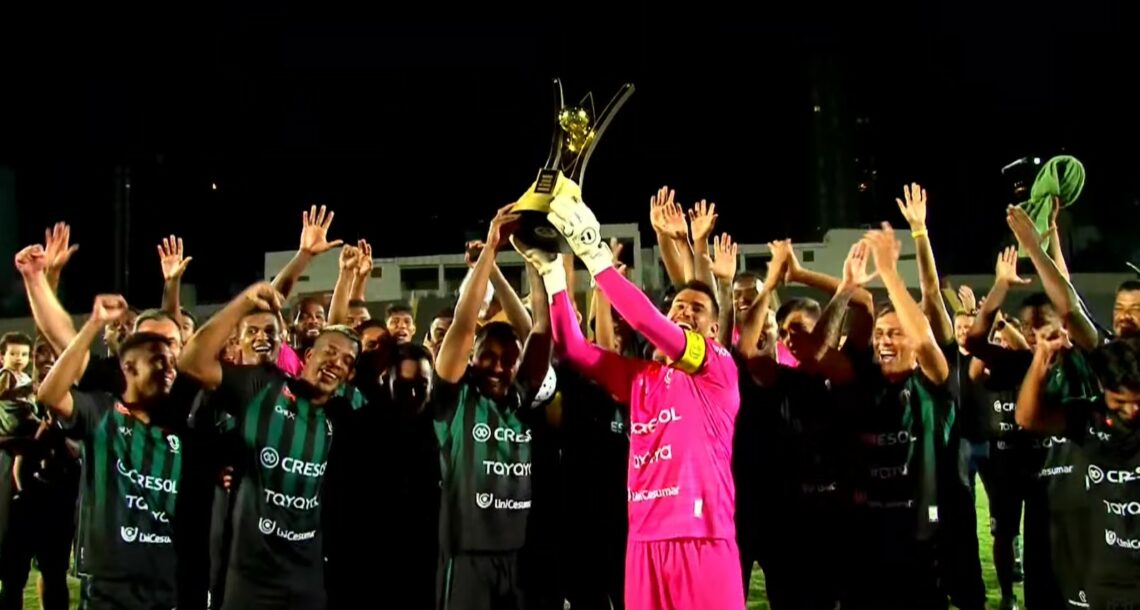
{"points": [[757, 599]]}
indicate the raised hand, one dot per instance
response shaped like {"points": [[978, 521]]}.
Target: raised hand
{"points": [[914, 208], [783, 259], [108, 308], [31, 260], [1022, 226], [542, 260], [666, 216], [702, 219], [495, 232], [263, 297], [57, 246], [855, 273], [616, 248], [884, 249], [170, 256], [724, 255], [1005, 271], [472, 250], [364, 262], [315, 229], [349, 259], [1051, 342], [967, 298]]}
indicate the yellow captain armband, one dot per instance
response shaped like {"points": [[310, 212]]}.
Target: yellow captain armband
{"points": [[694, 356]]}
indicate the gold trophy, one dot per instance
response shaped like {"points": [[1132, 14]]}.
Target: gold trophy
{"points": [[576, 133]]}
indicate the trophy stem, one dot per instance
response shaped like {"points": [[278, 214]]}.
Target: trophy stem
{"points": [[555, 157], [604, 119]]}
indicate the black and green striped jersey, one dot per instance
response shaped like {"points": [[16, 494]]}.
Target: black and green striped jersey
{"points": [[485, 463], [285, 443], [129, 487]]}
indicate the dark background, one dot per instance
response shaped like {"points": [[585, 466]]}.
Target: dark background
{"points": [[414, 128]]}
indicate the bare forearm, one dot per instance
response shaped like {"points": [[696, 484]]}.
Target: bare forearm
{"points": [[55, 390], [510, 302], [338, 308], [360, 287], [286, 280], [830, 284], [539, 301], [702, 270], [978, 338], [1064, 297], [49, 315], [671, 258], [456, 346], [199, 358], [932, 303], [727, 317], [753, 326], [172, 298], [914, 323], [1033, 412], [1057, 254], [825, 335]]}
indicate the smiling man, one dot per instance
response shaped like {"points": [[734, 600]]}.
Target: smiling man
{"points": [[286, 431]]}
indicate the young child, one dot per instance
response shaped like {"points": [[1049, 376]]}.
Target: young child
{"points": [[16, 349]]}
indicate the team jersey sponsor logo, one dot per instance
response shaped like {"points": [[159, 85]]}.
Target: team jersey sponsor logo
{"points": [[819, 488], [148, 482], [1055, 471], [287, 501], [174, 442], [507, 469], [888, 439], [664, 417], [483, 433], [131, 535], [286, 413], [269, 527], [1082, 600], [889, 472], [271, 459], [127, 432], [1005, 427], [1122, 509], [489, 501], [642, 495], [1115, 477], [138, 503], [661, 454], [1004, 407], [1111, 538]]}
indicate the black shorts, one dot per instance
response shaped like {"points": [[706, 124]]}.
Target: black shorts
{"points": [[480, 581], [1009, 481], [244, 594], [41, 527], [105, 594]]}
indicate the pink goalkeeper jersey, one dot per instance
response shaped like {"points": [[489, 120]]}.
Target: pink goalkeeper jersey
{"points": [[680, 453]]}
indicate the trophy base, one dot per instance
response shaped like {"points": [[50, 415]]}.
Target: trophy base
{"points": [[532, 230]]}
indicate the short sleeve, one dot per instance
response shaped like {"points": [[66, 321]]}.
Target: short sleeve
{"points": [[88, 408], [719, 365], [443, 401], [240, 384]]}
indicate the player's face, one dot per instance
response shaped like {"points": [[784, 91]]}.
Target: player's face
{"points": [[374, 338], [329, 363], [694, 310], [744, 292], [1126, 314], [402, 327], [412, 385], [797, 327], [1036, 320], [962, 324], [435, 335], [187, 328], [1125, 404], [149, 370], [259, 338], [495, 363], [44, 360], [356, 315], [310, 321], [167, 328], [892, 347], [117, 330], [16, 357]]}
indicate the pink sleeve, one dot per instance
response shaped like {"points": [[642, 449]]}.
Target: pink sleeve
{"points": [[609, 370], [289, 362], [639, 312]]}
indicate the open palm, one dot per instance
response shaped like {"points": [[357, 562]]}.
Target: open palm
{"points": [[315, 229]]}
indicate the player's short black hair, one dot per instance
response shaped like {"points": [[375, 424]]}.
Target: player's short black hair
{"points": [[15, 338], [398, 308], [496, 331], [186, 314], [1036, 300], [809, 306], [305, 302], [138, 340], [446, 312], [1128, 286], [747, 275], [153, 314], [356, 303], [1117, 365], [373, 323], [412, 351], [882, 309], [702, 288]]}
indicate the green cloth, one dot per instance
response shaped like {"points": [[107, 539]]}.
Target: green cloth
{"points": [[1062, 176]]}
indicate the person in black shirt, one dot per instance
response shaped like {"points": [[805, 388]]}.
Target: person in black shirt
{"points": [[1106, 427]]}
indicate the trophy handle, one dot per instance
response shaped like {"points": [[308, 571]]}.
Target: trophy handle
{"points": [[555, 156], [607, 115]]}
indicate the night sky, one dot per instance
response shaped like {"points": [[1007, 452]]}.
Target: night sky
{"points": [[415, 131]]}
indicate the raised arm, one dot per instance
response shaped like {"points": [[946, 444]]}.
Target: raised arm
{"points": [[604, 336], [509, 300], [471, 255], [813, 279], [1059, 290], [170, 257], [364, 266], [200, 357], [669, 224], [723, 266], [49, 315], [345, 280], [702, 218], [55, 391], [57, 251], [314, 241], [978, 338], [455, 350], [1035, 412], [933, 305], [824, 338], [1053, 236], [885, 250], [539, 342]]}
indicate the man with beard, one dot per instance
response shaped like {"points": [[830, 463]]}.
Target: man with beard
{"points": [[286, 431], [1126, 310], [132, 463], [401, 323], [1105, 427], [481, 402], [397, 399]]}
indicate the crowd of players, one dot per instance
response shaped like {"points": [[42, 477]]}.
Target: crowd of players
{"points": [[508, 462]]}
